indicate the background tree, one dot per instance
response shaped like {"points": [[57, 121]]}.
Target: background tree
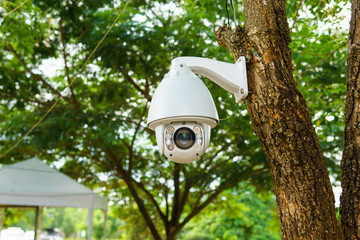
{"points": [[240, 214]]}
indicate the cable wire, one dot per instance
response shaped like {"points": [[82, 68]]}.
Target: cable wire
{"points": [[71, 83], [233, 10], [14, 9], [227, 11], [223, 119]]}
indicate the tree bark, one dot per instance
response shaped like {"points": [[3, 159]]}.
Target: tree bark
{"points": [[350, 178], [282, 122]]}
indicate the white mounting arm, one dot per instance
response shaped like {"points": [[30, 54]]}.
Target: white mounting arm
{"points": [[231, 77]]}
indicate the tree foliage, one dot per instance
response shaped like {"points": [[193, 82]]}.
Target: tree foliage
{"points": [[98, 130], [240, 214]]}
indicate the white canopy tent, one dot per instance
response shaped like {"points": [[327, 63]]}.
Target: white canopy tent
{"points": [[34, 183]]}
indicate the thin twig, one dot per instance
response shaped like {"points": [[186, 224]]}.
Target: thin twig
{"points": [[65, 62], [196, 210], [136, 86], [152, 199], [211, 159], [32, 128], [296, 15], [7, 94], [131, 149], [36, 76]]}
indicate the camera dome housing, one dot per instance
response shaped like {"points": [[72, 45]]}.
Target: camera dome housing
{"points": [[182, 98]]}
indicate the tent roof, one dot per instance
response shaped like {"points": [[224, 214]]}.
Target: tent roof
{"points": [[34, 183]]}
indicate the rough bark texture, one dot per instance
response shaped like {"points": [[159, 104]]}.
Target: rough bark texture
{"points": [[350, 178], [282, 123]]}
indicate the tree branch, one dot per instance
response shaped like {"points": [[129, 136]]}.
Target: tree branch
{"points": [[210, 160], [176, 199], [136, 86], [131, 147], [112, 155], [129, 182], [37, 77], [198, 209], [184, 196], [142, 209], [7, 94], [65, 62], [152, 199]]}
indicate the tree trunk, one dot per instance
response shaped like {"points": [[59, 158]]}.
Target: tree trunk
{"points": [[282, 123], [172, 235], [350, 178]]}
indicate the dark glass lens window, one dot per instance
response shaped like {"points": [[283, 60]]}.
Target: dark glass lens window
{"points": [[184, 138]]}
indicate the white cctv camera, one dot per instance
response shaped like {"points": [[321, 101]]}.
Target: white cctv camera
{"points": [[182, 111]]}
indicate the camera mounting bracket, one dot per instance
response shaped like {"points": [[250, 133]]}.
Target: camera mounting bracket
{"points": [[230, 76]]}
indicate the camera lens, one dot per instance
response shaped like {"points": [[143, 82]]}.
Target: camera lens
{"points": [[184, 138]]}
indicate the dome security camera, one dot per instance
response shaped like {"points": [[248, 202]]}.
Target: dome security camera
{"points": [[182, 111]]}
